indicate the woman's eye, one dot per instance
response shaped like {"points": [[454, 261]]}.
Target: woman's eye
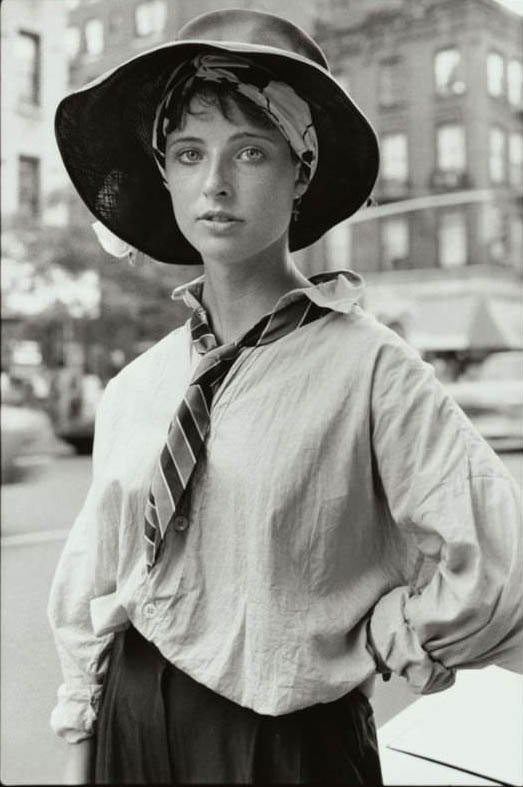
{"points": [[252, 154], [189, 156]]}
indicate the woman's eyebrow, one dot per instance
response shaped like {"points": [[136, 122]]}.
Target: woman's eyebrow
{"points": [[252, 135], [191, 140], [184, 140]]}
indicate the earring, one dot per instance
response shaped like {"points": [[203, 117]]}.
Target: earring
{"points": [[296, 208]]}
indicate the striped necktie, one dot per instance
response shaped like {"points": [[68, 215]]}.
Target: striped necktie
{"points": [[190, 424]]}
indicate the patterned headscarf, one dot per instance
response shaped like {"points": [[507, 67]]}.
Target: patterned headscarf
{"points": [[289, 113]]}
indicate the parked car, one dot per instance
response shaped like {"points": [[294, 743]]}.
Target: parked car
{"points": [[491, 394], [75, 397], [26, 432], [26, 429]]}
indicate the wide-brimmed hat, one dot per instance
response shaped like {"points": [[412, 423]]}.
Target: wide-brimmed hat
{"points": [[104, 133]]}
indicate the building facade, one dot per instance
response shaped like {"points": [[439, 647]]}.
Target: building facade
{"points": [[103, 33], [441, 82], [34, 79]]}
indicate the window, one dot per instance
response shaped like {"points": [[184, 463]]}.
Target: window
{"points": [[452, 239], [394, 157], [27, 55], [447, 72], [497, 144], [73, 42], [515, 158], [29, 186], [515, 82], [495, 74], [394, 242], [391, 83], [451, 148], [150, 17], [94, 36]]}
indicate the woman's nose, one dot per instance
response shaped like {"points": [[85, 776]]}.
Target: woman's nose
{"points": [[217, 180]]}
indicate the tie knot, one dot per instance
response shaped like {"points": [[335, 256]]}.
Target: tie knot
{"points": [[201, 332], [216, 363]]}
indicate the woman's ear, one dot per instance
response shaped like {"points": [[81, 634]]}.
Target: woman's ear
{"points": [[301, 184]]}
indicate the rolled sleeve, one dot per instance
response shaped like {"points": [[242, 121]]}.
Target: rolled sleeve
{"points": [[454, 498], [86, 570], [74, 716]]}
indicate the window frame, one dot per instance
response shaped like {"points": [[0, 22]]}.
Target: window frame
{"points": [[85, 36], [503, 87], [81, 43], [439, 128], [155, 31], [403, 180], [386, 260], [442, 216], [35, 202], [446, 90], [35, 98]]}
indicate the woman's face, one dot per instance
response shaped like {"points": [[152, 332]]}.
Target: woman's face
{"points": [[232, 184]]}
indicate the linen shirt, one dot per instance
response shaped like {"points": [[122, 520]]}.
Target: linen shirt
{"points": [[339, 482]]}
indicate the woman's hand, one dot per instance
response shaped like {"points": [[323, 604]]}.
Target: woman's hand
{"points": [[79, 764], [367, 687]]}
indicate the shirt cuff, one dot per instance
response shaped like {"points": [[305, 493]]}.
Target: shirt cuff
{"points": [[381, 667], [398, 648], [74, 716]]}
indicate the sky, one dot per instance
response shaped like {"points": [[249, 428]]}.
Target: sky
{"points": [[514, 5]]}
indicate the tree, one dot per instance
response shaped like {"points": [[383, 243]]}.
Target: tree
{"points": [[135, 304]]}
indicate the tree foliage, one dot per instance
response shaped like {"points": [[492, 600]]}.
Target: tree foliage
{"points": [[136, 307]]}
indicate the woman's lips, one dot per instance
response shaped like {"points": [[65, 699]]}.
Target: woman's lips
{"points": [[218, 217], [219, 222]]}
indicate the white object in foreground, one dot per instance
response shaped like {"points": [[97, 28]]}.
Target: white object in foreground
{"points": [[470, 734]]}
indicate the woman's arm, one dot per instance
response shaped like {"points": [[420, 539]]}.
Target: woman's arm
{"points": [[452, 495], [86, 570], [79, 764]]}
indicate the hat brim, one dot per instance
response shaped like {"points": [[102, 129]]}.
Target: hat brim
{"points": [[104, 134]]}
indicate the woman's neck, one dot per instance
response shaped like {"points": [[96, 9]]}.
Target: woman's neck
{"points": [[237, 296]]}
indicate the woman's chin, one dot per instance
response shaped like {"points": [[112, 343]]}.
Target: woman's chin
{"points": [[226, 251], [231, 249]]}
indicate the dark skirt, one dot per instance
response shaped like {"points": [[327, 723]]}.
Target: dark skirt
{"points": [[159, 726]]}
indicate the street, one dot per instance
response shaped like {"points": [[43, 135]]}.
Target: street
{"points": [[44, 501], [37, 511]]}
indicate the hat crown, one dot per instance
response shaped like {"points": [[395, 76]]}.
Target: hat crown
{"points": [[253, 27]]}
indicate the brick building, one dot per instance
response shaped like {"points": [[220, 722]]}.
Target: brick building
{"points": [[441, 82], [103, 33]]}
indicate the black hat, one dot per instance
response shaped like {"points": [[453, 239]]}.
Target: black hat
{"points": [[104, 133]]}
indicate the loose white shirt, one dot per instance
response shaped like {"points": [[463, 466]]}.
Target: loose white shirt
{"points": [[339, 481]]}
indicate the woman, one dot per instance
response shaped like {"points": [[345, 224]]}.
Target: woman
{"points": [[284, 500]]}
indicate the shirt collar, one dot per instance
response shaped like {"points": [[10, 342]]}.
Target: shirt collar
{"points": [[336, 290]]}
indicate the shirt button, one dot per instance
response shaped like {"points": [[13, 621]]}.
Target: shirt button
{"points": [[149, 610], [180, 523]]}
